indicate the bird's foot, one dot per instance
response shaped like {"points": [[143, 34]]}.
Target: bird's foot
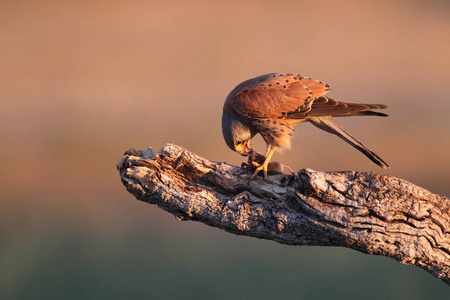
{"points": [[255, 164], [250, 165], [262, 167]]}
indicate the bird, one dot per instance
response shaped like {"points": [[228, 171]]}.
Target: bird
{"points": [[272, 104]]}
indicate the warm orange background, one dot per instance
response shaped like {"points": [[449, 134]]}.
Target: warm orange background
{"points": [[83, 81]]}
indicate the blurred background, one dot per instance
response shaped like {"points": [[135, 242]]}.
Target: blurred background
{"points": [[83, 81]]}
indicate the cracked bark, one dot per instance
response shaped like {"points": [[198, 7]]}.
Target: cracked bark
{"points": [[369, 212]]}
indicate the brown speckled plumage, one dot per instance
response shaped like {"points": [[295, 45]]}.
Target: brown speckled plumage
{"points": [[273, 104]]}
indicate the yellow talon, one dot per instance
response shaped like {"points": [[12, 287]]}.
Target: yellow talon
{"points": [[264, 165], [261, 167], [255, 164]]}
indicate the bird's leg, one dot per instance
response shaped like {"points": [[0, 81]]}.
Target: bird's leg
{"points": [[270, 151], [268, 147]]}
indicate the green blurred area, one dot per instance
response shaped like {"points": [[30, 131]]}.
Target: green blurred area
{"points": [[210, 265], [81, 82]]}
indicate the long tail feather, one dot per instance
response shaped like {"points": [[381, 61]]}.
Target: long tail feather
{"points": [[370, 113], [325, 106], [330, 125]]}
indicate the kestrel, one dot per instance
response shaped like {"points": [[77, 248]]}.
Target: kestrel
{"points": [[273, 104]]}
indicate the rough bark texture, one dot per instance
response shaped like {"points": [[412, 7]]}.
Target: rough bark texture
{"points": [[368, 212]]}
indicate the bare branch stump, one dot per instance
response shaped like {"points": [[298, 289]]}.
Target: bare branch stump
{"points": [[368, 212]]}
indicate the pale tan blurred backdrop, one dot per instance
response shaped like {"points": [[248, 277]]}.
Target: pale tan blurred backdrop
{"points": [[83, 81]]}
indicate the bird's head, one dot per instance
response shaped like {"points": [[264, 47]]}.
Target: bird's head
{"points": [[236, 133]]}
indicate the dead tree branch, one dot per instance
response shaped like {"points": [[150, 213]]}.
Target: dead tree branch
{"points": [[368, 212]]}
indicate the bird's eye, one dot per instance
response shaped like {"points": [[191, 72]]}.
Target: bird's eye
{"points": [[238, 142]]}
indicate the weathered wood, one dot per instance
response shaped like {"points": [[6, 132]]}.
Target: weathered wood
{"points": [[368, 212]]}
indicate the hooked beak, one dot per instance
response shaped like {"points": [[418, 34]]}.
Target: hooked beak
{"points": [[245, 150]]}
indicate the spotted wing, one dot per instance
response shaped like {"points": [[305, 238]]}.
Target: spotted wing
{"points": [[277, 95]]}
